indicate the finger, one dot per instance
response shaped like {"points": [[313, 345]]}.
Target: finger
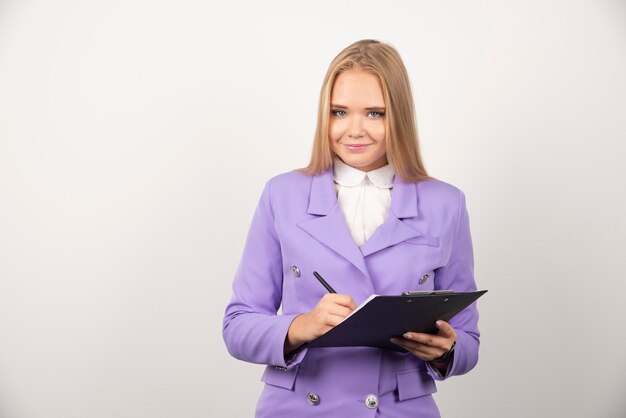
{"points": [[339, 310], [426, 339], [433, 341], [322, 330], [411, 345], [324, 324], [445, 329], [340, 299], [348, 302], [332, 320], [333, 307], [423, 352], [407, 345], [428, 343]]}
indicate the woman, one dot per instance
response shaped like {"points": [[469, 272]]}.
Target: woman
{"points": [[366, 215]]}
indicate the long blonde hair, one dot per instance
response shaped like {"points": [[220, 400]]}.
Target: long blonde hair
{"points": [[402, 140]]}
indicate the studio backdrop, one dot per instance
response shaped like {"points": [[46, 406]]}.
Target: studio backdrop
{"points": [[136, 137]]}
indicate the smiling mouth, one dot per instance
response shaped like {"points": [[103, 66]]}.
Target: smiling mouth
{"points": [[356, 147]]}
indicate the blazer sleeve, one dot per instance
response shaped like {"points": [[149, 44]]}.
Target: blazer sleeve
{"points": [[458, 275], [252, 329]]}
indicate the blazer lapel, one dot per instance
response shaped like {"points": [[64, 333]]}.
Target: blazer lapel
{"points": [[394, 230], [329, 227]]}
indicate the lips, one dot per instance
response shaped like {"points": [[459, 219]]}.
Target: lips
{"points": [[356, 147]]}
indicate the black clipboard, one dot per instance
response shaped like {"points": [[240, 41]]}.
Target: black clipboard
{"points": [[380, 318]]}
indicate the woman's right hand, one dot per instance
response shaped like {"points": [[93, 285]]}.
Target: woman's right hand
{"points": [[329, 311]]}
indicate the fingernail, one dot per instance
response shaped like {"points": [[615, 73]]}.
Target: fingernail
{"points": [[407, 336], [439, 324], [394, 340]]}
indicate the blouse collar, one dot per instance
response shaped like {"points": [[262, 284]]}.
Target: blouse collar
{"points": [[346, 175]]}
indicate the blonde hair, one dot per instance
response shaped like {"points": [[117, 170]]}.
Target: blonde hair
{"points": [[401, 137]]}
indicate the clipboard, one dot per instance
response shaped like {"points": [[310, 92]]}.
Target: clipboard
{"points": [[379, 318]]}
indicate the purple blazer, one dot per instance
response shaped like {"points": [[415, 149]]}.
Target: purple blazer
{"points": [[298, 227]]}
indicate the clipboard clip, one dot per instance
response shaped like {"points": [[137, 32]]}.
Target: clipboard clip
{"points": [[427, 292]]}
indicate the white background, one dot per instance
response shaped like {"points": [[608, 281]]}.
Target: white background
{"points": [[136, 136]]}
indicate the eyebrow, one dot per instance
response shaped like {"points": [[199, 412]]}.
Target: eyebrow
{"points": [[338, 106]]}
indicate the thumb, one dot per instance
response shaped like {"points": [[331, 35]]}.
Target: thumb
{"points": [[445, 330]]}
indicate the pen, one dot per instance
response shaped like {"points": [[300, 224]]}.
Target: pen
{"points": [[323, 282]]}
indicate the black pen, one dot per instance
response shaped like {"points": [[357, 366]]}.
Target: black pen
{"points": [[323, 282]]}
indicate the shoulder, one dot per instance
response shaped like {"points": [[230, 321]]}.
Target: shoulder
{"points": [[288, 185], [288, 190], [440, 195], [285, 181], [439, 188]]}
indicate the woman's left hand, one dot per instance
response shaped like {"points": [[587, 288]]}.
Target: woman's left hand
{"points": [[427, 346]]}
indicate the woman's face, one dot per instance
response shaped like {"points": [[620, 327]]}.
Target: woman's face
{"points": [[356, 126]]}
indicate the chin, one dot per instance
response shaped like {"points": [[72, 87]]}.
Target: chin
{"points": [[360, 163], [353, 161]]}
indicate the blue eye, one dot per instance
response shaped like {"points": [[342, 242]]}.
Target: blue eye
{"points": [[375, 114], [338, 112]]}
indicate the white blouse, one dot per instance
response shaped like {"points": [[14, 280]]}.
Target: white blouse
{"points": [[364, 197]]}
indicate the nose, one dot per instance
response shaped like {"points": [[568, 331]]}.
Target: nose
{"points": [[356, 127]]}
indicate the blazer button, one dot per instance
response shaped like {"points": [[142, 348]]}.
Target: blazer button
{"points": [[424, 278], [371, 401], [295, 271], [312, 398]]}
